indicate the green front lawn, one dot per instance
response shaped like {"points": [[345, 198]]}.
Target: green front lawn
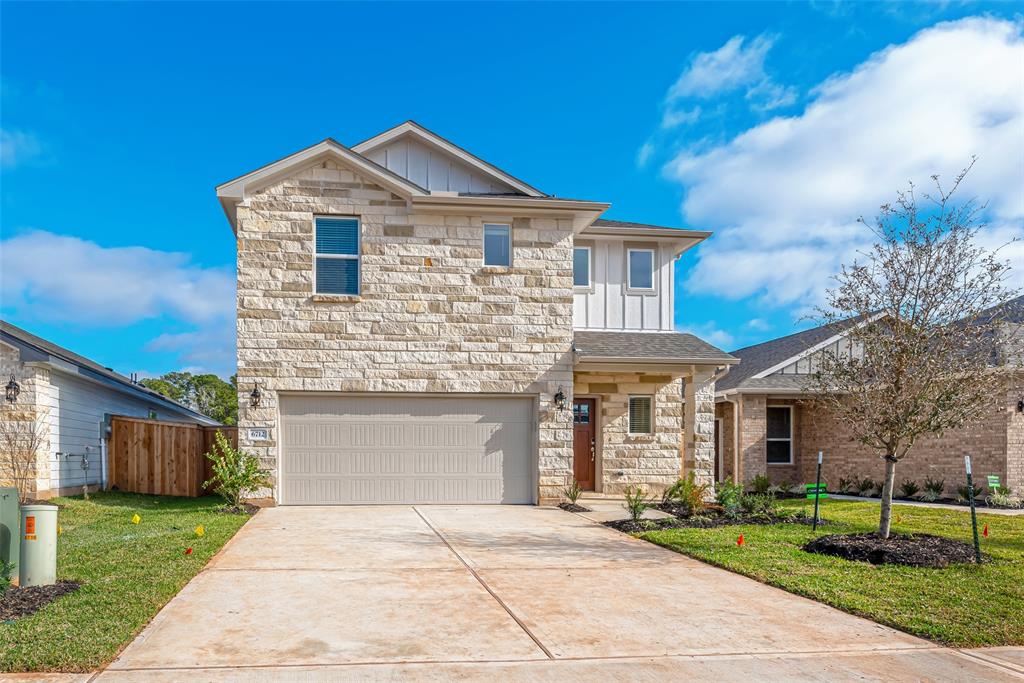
{"points": [[128, 571], [964, 606]]}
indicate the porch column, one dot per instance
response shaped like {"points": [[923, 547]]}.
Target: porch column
{"points": [[699, 426]]}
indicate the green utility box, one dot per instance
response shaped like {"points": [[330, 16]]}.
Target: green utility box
{"points": [[10, 526]]}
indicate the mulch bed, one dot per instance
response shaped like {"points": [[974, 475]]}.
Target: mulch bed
{"points": [[243, 509], [918, 550], [706, 522], [573, 507], [23, 601]]}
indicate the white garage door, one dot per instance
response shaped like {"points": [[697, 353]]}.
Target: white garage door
{"points": [[406, 449]]}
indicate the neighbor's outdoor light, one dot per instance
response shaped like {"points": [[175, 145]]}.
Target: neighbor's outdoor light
{"points": [[560, 399], [255, 396], [13, 390]]}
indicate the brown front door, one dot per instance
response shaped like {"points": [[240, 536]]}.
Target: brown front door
{"points": [[584, 441]]}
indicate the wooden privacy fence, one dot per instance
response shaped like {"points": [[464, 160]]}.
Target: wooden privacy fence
{"points": [[164, 458]]}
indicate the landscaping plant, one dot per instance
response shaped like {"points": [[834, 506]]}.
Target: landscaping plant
{"points": [[687, 494], [637, 501], [236, 474], [1001, 497], [909, 488], [866, 486], [920, 308], [572, 491], [847, 485], [963, 493], [760, 484], [933, 489], [6, 572], [759, 504], [728, 495]]}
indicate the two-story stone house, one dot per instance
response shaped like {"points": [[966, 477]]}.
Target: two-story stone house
{"points": [[422, 327]]}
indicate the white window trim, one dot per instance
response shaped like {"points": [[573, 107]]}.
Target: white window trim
{"points": [[629, 423], [629, 271], [483, 243], [789, 439], [590, 270], [357, 257]]}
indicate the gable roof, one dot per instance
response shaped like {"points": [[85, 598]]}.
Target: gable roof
{"points": [[41, 350], [431, 138]]}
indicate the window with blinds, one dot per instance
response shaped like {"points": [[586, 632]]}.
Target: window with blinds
{"points": [[337, 256], [640, 420]]}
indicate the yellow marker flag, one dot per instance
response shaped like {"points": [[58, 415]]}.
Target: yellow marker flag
{"points": [[136, 519], [200, 530], [60, 529]]}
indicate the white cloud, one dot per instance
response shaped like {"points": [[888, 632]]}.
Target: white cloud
{"points": [[643, 155], [18, 147], [676, 117], [784, 196], [58, 278], [710, 333], [759, 324]]}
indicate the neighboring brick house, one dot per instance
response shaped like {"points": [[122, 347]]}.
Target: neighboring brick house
{"points": [[762, 404], [423, 327], [69, 400]]}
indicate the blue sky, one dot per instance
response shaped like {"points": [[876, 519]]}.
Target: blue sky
{"points": [[775, 125]]}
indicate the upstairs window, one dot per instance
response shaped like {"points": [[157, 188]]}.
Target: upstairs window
{"points": [[640, 269], [581, 267], [337, 256], [640, 409], [780, 435], [497, 244]]}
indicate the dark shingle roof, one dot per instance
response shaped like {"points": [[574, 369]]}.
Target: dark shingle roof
{"points": [[647, 346], [51, 349], [760, 357], [609, 223]]}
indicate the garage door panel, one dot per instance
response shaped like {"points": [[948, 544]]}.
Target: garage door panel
{"points": [[410, 450]]}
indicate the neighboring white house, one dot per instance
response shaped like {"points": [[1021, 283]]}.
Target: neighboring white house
{"points": [[72, 398], [422, 326]]}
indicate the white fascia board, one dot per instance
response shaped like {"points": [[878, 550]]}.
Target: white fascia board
{"points": [[583, 213], [235, 191], [431, 138], [817, 347]]}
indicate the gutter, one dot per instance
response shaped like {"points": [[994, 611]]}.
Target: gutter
{"points": [[727, 361]]}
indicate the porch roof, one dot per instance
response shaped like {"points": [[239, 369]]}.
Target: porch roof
{"points": [[675, 348]]}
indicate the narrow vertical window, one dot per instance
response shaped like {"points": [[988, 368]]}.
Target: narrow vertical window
{"points": [[640, 269], [780, 435], [497, 244], [337, 256], [581, 267], [640, 421]]}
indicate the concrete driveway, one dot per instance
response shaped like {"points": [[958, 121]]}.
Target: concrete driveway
{"points": [[435, 593]]}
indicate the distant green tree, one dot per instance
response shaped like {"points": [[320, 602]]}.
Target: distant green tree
{"points": [[207, 393]]}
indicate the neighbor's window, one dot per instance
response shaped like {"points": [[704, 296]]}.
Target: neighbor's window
{"points": [[581, 266], [337, 256], [497, 244], [640, 267], [640, 421], [780, 435]]}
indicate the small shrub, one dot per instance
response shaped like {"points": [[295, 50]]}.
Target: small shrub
{"points": [[933, 489], [963, 493], [847, 485], [909, 489], [760, 484], [728, 496], [6, 572], [787, 488], [236, 473], [759, 504], [637, 501], [573, 491], [1000, 498], [688, 494], [866, 486]]}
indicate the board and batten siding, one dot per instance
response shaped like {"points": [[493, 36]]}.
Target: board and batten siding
{"points": [[76, 411], [608, 304], [433, 169], [842, 347]]}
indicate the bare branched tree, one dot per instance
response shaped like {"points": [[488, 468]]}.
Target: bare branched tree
{"points": [[924, 327], [22, 436]]}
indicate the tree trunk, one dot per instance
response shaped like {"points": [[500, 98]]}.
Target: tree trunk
{"points": [[890, 479]]}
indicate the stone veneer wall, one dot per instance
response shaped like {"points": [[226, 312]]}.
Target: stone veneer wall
{"points": [[430, 318], [30, 410], [652, 461]]}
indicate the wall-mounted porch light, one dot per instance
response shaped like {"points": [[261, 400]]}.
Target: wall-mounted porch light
{"points": [[12, 390], [255, 396], [560, 399]]}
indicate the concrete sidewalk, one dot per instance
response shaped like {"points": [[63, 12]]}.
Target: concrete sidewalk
{"points": [[500, 592]]}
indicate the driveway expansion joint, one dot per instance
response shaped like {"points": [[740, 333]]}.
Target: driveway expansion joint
{"points": [[483, 583]]}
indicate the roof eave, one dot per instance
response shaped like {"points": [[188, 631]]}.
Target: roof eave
{"points": [[685, 360]]}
